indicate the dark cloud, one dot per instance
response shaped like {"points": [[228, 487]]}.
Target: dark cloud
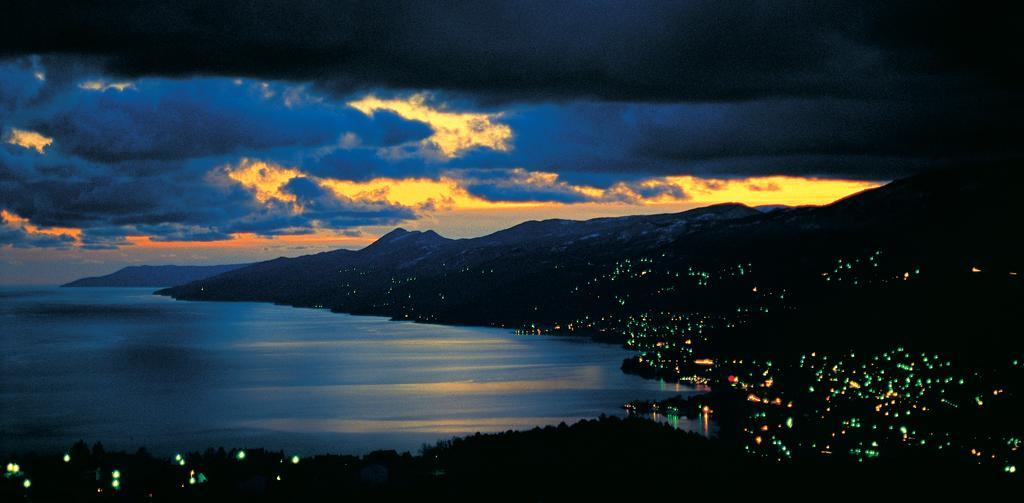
{"points": [[103, 238], [17, 85], [20, 238], [865, 139], [664, 51], [160, 119], [524, 192], [177, 232], [518, 185], [873, 90], [390, 129]]}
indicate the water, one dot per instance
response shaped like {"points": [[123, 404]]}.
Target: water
{"points": [[129, 368]]}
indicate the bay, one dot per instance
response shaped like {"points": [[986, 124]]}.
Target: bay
{"points": [[130, 369]]}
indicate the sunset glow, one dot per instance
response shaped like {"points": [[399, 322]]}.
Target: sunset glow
{"points": [[444, 204]]}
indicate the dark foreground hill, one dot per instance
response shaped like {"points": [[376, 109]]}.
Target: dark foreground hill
{"points": [[633, 459], [155, 275]]}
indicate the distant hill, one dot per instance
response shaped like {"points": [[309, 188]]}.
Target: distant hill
{"points": [[155, 275]]}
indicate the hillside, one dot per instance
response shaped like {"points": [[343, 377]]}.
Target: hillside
{"points": [[557, 273]]}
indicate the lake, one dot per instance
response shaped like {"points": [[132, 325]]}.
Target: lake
{"points": [[128, 368]]}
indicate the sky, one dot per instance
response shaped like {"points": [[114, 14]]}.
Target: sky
{"points": [[199, 133]]}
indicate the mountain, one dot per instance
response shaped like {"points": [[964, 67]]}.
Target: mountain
{"points": [[155, 275], [451, 275], [587, 273]]}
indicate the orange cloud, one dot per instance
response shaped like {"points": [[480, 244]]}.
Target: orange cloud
{"points": [[29, 139], [15, 220]]}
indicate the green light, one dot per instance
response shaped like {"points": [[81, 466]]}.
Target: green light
{"points": [[903, 430], [240, 456], [177, 457], [789, 422], [116, 484], [295, 460], [191, 481], [67, 458], [116, 474], [181, 462], [26, 484]]}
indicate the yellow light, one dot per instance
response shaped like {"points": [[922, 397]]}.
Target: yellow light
{"points": [[100, 85], [793, 191], [266, 180]]}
